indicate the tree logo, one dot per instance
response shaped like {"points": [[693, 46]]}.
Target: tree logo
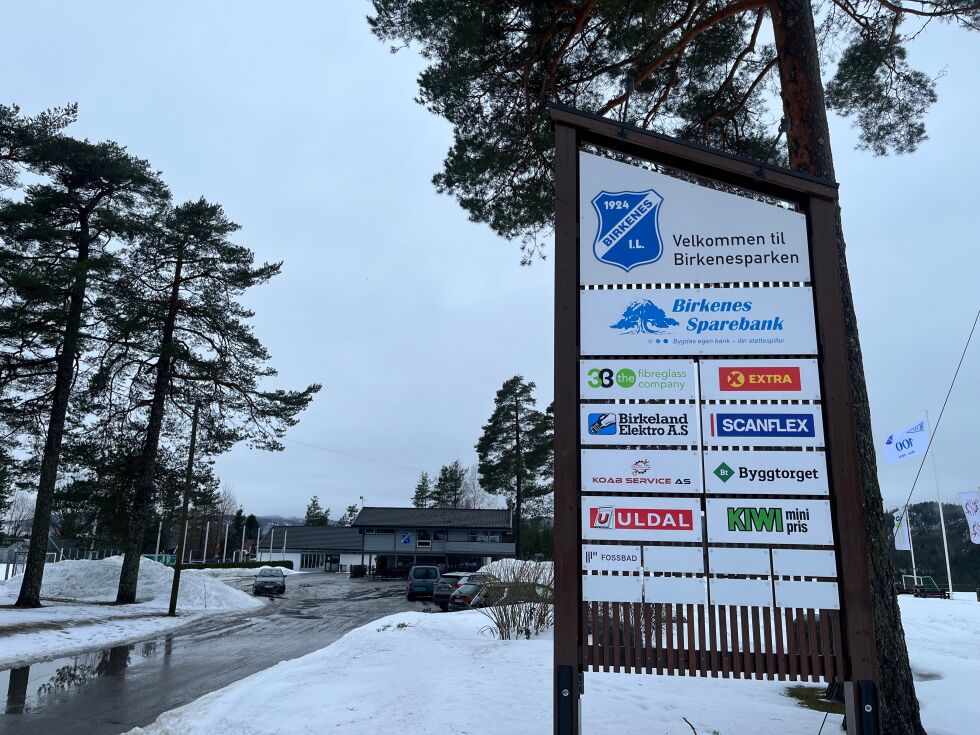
{"points": [[628, 234], [644, 317]]}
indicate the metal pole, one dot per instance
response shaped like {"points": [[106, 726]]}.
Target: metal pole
{"points": [[908, 527], [285, 531], [272, 533], [188, 480], [258, 551], [224, 551], [241, 556], [942, 519], [207, 535], [159, 532], [184, 547]]}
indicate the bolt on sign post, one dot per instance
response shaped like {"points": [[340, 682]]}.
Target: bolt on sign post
{"points": [[706, 493]]}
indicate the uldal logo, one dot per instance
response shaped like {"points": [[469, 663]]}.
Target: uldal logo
{"points": [[768, 520], [759, 378], [747, 425], [628, 233], [602, 424], [642, 519], [641, 467]]}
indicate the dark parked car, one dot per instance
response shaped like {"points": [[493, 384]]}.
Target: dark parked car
{"points": [[463, 597], [421, 581], [493, 592], [269, 582], [452, 581]]}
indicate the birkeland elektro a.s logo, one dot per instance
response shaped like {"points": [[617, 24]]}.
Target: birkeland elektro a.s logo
{"points": [[628, 231], [646, 421], [602, 424], [751, 379]]}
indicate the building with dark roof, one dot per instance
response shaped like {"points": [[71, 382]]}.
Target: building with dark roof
{"points": [[453, 538], [392, 540]]}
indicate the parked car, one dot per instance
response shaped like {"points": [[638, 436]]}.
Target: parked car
{"points": [[491, 592], [452, 581], [421, 581], [269, 582], [463, 597]]}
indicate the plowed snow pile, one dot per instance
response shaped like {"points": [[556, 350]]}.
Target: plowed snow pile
{"points": [[96, 581]]}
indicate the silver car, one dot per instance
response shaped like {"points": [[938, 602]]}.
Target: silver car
{"points": [[269, 582]]}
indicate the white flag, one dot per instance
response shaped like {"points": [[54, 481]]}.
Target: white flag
{"points": [[971, 506], [904, 444], [903, 538]]}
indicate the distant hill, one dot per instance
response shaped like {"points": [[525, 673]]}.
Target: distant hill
{"points": [[964, 556], [267, 522]]}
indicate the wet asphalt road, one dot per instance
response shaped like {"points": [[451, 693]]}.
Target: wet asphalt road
{"points": [[114, 690]]}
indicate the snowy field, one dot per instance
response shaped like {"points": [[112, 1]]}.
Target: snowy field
{"points": [[397, 674], [76, 616]]}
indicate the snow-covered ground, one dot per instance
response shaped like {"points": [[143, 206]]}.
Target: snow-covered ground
{"points": [[375, 679], [76, 615]]}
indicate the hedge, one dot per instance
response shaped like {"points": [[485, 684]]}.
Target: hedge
{"points": [[287, 563]]}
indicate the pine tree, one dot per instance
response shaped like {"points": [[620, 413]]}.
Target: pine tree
{"points": [[448, 490], [423, 491], [315, 515], [56, 256], [177, 302], [513, 449], [702, 72], [349, 515]]}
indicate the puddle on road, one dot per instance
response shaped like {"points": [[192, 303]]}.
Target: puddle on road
{"points": [[27, 687]]}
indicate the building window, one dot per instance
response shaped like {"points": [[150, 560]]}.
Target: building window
{"points": [[311, 561], [439, 536], [479, 536], [423, 539], [387, 531], [369, 531]]}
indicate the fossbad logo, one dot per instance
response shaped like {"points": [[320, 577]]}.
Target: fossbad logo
{"points": [[628, 234], [644, 317]]}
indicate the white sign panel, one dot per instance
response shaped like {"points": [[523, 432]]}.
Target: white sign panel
{"points": [[674, 559], [638, 226], [751, 592], [804, 563], [807, 595], [639, 424], [724, 560], [609, 558], [641, 519], [771, 522], [705, 321], [763, 426], [675, 590], [641, 379], [597, 588], [776, 380], [641, 470], [766, 473]]}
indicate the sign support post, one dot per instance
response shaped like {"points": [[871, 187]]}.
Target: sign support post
{"points": [[816, 620]]}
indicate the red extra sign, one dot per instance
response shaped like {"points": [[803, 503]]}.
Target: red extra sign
{"points": [[751, 379], [641, 519]]}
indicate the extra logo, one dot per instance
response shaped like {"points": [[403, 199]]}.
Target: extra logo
{"points": [[628, 234], [641, 519], [748, 425], [735, 379]]}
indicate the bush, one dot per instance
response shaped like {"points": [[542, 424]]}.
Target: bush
{"points": [[288, 564], [531, 612]]}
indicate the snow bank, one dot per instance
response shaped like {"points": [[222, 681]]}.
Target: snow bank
{"points": [[376, 684], [97, 581], [510, 569]]}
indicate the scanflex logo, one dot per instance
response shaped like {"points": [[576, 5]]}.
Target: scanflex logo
{"points": [[753, 425]]}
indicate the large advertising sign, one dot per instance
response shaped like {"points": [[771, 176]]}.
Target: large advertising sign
{"points": [[778, 380], [641, 470], [770, 522], [640, 226], [641, 519], [763, 426], [643, 424], [766, 473], [640, 379], [704, 321]]}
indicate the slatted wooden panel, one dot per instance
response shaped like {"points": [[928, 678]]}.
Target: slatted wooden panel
{"points": [[716, 640]]}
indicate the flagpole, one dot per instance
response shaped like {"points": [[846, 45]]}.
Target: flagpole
{"points": [[908, 529], [942, 521]]}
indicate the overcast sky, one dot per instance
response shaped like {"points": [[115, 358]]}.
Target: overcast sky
{"points": [[303, 125]]}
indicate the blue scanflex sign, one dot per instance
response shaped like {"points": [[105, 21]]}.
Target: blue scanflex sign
{"points": [[762, 426]]}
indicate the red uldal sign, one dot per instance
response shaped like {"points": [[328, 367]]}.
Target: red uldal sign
{"points": [[642, 519], [738, 379]]}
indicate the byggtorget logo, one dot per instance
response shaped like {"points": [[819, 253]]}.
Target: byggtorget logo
{"points": [[641, 519], [766, 475]]}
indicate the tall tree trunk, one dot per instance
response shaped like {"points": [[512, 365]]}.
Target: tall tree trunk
{"points": [[30, 588], [519, 486], [143, 494], [808, 141]]}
